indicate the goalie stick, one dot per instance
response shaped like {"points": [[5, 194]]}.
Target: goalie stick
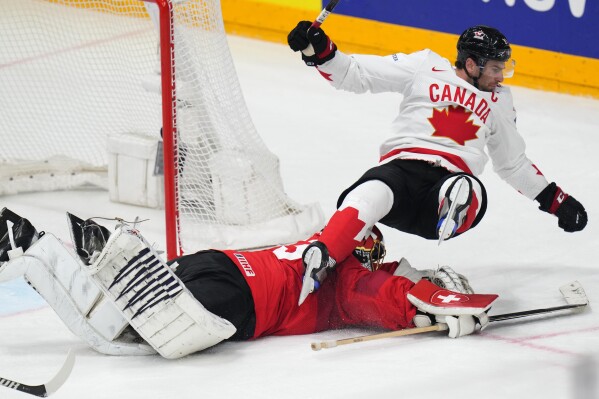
{"points": [[44, 390], [573, 293]]}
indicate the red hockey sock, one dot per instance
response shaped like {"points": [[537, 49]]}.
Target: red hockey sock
{"points": [[343, 233]]}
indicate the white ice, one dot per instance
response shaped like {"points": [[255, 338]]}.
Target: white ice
{"points": [[326, 139]]}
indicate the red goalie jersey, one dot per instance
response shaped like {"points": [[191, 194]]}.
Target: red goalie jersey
{"points": [[351, 296]]}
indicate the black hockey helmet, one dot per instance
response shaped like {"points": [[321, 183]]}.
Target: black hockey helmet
{"points": [[482, 43]]}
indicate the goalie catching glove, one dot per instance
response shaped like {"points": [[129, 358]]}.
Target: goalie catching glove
{"points": [[451, 303]]}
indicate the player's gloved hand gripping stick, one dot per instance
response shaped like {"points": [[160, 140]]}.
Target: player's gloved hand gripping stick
{"points": [[307, 37]]}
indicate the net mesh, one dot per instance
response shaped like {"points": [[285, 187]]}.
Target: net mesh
{"points": [[79, 71]]}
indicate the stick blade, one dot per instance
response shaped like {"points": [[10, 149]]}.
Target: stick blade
{"points": [[574, 293], [63, 374]]}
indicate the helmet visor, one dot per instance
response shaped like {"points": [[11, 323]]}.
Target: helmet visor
{"points": [[510, 68], [498, 68]]}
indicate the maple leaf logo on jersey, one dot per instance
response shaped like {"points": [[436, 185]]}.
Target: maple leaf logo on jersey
{"points": [[453, 122], [325, 75]]}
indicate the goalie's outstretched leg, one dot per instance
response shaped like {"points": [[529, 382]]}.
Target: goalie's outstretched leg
{"points": [[153, 299], [57, 276]]}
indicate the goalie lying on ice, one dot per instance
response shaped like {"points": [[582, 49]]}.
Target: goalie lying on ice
{"points": [[121, 298]]}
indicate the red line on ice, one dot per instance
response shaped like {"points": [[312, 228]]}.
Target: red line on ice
{"points": [[74, 48], [525, 341], [6, 316], [557, 334]]}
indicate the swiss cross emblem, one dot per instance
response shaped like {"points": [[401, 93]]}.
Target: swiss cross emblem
{"points": [[445, 297]]}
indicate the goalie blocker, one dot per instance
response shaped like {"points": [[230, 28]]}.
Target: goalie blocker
{"points": [[461, 312]]}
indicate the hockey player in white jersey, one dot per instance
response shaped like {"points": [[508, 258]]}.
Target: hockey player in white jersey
{"points": [[425, 182]]}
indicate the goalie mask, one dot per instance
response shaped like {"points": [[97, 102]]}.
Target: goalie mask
{"points": [[371, 251]]}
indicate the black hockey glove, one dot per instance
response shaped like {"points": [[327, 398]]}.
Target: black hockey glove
{"points": [[315, 45], [298, 37], [570, 213]]}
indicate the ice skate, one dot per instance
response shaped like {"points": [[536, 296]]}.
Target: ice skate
{"points": [[16, 234], [88, 236], [317, 263], [453, 207]]}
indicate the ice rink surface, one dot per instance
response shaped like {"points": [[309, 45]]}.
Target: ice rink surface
{"points": [[326, 139]]}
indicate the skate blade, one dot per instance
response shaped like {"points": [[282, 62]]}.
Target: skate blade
{"points": [[308, 283], [447, 230], [307, 289], [458, 197]]}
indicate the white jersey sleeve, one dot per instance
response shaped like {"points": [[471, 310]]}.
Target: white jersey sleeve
{"points": [[507, 150], [376, 74]]}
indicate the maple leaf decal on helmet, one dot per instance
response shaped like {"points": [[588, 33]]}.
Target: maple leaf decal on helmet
{"points": [[454, 123]]}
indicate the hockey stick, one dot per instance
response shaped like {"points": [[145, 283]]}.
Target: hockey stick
{"points": [[527, 313], [316, 346], [49, 387], [573, 294], [324, 14]]}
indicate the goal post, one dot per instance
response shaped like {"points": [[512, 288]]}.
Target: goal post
{"points": [[75, 72]]}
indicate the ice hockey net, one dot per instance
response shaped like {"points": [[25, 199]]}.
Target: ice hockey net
{"points": [[73, 72]]}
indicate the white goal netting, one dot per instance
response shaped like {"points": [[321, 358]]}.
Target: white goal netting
{"points": [[74, 72]]}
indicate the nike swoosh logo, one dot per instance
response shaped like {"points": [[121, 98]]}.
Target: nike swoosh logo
{"points": [[438, 70]]}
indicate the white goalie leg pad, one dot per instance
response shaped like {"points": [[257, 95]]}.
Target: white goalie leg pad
{"points": [[156, 303], [58, 277]]}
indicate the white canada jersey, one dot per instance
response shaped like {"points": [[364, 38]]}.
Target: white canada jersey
{"points": [[442, 119]]}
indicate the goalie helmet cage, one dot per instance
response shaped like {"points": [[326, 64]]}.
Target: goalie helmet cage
{"points": [[74, 72]]}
